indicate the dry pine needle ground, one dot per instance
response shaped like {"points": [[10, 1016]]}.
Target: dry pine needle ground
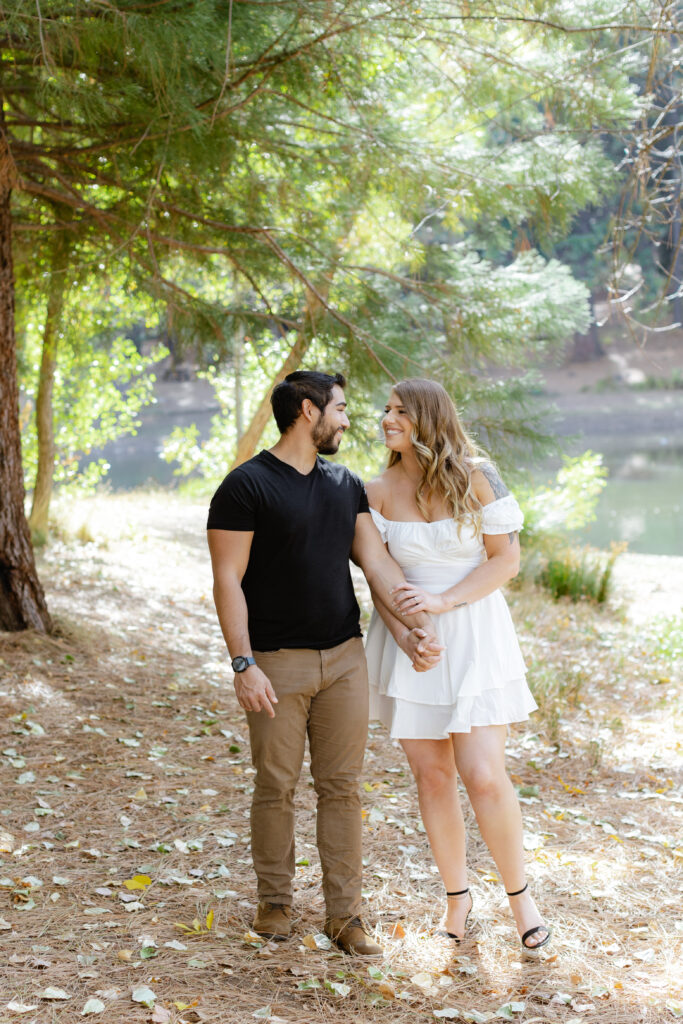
{"points": [[124, 832]]}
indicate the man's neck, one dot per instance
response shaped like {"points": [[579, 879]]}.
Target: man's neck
{"points": [[297, 450]]}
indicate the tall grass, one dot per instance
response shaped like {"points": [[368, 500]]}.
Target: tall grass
{"points": [[580, 573]]}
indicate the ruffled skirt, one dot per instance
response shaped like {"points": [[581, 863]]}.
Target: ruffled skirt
{"points": [[480, 680]]}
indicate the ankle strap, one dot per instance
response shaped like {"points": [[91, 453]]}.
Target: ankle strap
{"points": [[519, 891], [461, 893]]}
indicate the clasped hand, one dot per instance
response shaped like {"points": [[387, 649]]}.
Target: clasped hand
{"points": [[423, 649], [409, 599]]}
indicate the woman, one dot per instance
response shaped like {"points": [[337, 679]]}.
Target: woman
{"points": [[450, 523]]}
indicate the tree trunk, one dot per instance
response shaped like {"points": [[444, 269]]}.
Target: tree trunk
{"points": [[587, 347], [42, 491], [313, 308], [22, 602], [676, 269], [238, 353]]}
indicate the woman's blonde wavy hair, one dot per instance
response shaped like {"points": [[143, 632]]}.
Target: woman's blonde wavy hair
{"points": [[444, 451]]}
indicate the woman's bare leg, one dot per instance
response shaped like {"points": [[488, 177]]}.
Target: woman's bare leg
{"points": [[433, 765], [480, 760]]}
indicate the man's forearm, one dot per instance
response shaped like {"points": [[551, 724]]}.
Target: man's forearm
{"points": [[233, 616], [393, 624], [382, 577]]}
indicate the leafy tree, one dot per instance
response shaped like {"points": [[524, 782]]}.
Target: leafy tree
{"points": [[101, 382], [303, 150]]}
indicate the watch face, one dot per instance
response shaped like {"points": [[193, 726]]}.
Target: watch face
{"points": [[239, 664]]}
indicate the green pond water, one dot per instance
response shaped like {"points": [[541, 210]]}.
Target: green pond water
{"points": [[642, 503]]}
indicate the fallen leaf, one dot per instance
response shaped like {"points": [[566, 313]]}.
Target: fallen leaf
{"points": [[339, 987], [6, 842], [161, 1015], [422, 980], [138, 882], [398, 931], [108, 993], [174, 944], [143, 994], [508, 1010], [92, 1006], [53, 993], [317, 941], [16, 1007]]}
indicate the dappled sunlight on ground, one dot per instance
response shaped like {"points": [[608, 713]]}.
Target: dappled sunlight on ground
{"points": [[125, 755]]}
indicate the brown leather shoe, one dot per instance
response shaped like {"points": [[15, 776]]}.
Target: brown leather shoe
{"points": [[349, 934], [273, 920]]}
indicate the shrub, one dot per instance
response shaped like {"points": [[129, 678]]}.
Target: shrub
{"points": [[580, 573]]}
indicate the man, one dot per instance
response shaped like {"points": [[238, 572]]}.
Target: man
{"points": [[281, 529]]}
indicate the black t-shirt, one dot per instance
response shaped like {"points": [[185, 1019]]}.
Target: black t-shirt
{"points": [[297, 584]]}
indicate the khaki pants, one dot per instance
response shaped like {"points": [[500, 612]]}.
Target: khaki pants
{"points": [[322, 694]]}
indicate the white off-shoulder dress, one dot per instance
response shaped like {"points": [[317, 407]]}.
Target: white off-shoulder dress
{"points": [[481, 678]]}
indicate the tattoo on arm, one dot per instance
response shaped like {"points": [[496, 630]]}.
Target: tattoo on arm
{"points": [[511, 537], [497, 486]]}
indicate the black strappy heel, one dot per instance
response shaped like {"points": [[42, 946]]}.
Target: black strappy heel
{"points": [[532, 931], [452, 935]]}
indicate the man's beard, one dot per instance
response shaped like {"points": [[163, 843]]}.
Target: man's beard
{"points": [[324, 437]]}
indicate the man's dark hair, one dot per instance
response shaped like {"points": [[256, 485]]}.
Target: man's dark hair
{"points": [[290, 393]]}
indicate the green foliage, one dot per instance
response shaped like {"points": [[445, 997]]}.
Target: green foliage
{"points": [[551, 514], [555, 690], [569, 504], [98, 395], [664, 639], [652, 382], [583, 574], [368, 177], [362, 448]]}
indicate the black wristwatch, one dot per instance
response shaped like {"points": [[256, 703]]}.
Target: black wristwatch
{"points": [[242, 663]]}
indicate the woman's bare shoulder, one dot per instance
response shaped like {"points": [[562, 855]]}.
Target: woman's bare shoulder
{"points": [[378, 489], [486, 483]]}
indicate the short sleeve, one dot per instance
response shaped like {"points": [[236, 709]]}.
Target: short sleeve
{"points": [[233, 506], [380, 522], [363, 505], [502, 516]]}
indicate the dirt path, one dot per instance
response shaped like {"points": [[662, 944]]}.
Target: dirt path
{"points": [[124, 755]]}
